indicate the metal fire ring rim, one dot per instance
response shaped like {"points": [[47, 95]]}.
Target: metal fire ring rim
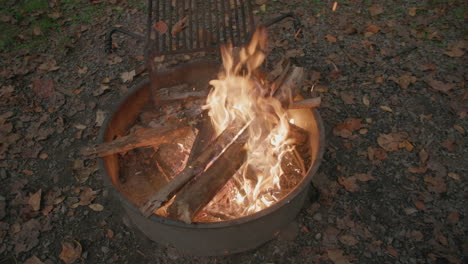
{"points": [[223, 224]]}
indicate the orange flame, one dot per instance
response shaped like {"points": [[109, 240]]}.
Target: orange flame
{"points": [[240, 95]]}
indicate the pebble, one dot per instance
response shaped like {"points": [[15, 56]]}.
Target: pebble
{"points": [[104, 250], [317, 217], [318, 236]]}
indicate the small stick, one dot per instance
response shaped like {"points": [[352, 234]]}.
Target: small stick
{"points": [[306, 103]]}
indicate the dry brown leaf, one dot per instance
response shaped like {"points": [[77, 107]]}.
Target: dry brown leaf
{"points": [[70, 252], [417, 170], [457, 50], [37, 31], [35, 200], [375, 10], [459, 128], [33, 260], [349, 184], [392, 251], [391, 142], [416, 235], [127, 76], [376, 153], [96, 207], [453, 217], [346, 129], [440, 86], [348, 97], [113, 59], [364, 177], [49, 66], [179, 26], [412, 11], [330, 38], [454, 176], [386, 108], [373, 29], [87, 196], [420, 205], [406, 145], [161, 27], [405, 80], [336, 255], [348, 240], [83, 70], [423, 156], [437, 184]]}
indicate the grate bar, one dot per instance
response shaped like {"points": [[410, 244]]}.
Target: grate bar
{"points": [[210, 24]]}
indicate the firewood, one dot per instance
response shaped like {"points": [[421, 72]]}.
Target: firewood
{"points": [[204, 136], [141, 138], [215, 152], [212, 153], [197, 193]]}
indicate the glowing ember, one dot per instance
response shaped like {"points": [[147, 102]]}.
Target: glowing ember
{"points": [[241, 95]]}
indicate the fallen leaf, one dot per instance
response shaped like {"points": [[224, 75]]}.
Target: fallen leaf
{"points": [[375, 10], [420, 205], [87, 196], [365, 100], [386, 108], [127, 76], [33, 260], [291, 53], [96, 207], [113, 59], [453, 217], [373, 29], [70, 252], [330, 38], [83, 70], [417, 170], [412, 11], [179, 26], [437, 184], [346, 129], [348, 240], [336, 255], [100, 117], [349, 184], [390, 142], [440, 86], [457, 50], [416, 235], [423, 156], [406, 145], [459, 128], [43, 88], [35, 200], [49, 66], [377, 153], [405, 80], [450, 145], [37, 31], [454, 176], [364, 177], [392, 251], [161, 27]]}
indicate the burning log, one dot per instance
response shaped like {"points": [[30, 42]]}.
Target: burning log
{"points": [[214, 155], [141, 138], [306, 103], [202, 188], [210, 155]]}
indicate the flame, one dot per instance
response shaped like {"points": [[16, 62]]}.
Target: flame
{"points": [[241, 95]]}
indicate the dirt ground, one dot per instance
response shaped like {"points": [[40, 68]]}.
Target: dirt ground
{"points": [[392, 183]]}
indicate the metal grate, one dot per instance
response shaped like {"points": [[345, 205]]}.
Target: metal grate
{"points": [[209, 23]]}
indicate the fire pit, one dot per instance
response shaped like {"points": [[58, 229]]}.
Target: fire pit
{"points": [[217, 227]]}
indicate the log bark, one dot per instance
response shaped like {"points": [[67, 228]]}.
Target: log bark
{"points": [[141, 138], [236, 133], [196, 194]]}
